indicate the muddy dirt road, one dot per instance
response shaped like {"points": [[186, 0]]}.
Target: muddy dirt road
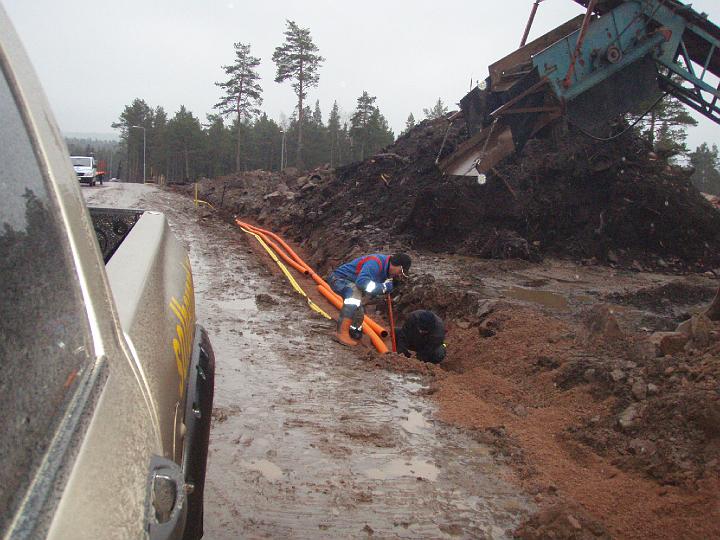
{"points": [[307, 440]]}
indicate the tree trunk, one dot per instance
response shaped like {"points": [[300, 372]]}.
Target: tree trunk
{"points": [[237, 148], [298, 158], [187, 165], [298, 155]]}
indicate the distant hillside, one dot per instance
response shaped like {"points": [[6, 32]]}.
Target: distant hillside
{"points": [[112, 137]]}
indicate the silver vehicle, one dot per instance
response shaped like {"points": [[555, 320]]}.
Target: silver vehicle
{"points": [[106, 384]]}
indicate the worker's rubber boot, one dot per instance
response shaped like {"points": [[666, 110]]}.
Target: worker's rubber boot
{"points": [[343, 333]]}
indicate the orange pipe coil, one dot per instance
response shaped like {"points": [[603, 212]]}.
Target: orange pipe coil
{"points": [[263, 233], [370, 327]]}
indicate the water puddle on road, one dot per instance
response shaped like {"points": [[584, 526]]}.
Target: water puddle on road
{"points": [[545, 298], [268, 469], [415, 423], [397, 468]]}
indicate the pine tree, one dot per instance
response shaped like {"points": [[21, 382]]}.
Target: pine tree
{"points": [[409, 123], [663, 124], [369, 129], [297, 60], [185, 137], [437, 111], [157, 147], [134, 117], [242, 92], [706, 163], [219, 144], [334, 132]]}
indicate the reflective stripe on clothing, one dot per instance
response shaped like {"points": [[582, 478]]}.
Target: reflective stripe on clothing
{"points": [[362, 270]]}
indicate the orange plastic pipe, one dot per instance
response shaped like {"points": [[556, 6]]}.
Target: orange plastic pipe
{"points": [[284, 244], [300, 268], [335, 300], [305, 268]]}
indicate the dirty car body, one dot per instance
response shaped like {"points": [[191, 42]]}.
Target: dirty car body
{"points": [[107, 380]]}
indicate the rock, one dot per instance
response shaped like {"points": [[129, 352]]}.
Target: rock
{"points": [[574, 523], [308, 186], [265, 300], [601, 323], [520, 411], [617, 375], [463, 324], [642, 447], [629, 417], [652, 389], [645, 349], [589, 375], [639, 390], [700, 329], [669, 342], [612, 256], [546, 362]]}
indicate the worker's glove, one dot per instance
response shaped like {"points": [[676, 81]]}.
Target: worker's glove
{"points": [[387, 286]]}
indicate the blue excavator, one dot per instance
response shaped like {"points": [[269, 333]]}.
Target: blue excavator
{"points": [[617, 57]]}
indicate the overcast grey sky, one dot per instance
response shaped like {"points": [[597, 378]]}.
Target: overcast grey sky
{"points": [[94, 57]]}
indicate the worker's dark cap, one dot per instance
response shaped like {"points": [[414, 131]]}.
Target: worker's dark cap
{"points": [[401, 259]]}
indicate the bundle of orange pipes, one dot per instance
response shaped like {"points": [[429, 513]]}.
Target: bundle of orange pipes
{"points": [[372, 329]]}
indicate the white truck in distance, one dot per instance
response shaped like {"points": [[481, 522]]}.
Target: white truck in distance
{"points": [[86, 169]]}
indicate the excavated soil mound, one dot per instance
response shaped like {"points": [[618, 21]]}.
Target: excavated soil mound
{"points": [[613, 202]]}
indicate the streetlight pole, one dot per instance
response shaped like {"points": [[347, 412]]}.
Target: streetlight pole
{"points": [[282, 151], [141, 127]]}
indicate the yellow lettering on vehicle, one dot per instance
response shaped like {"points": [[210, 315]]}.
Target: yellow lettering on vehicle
{"points": [[185, 313]]}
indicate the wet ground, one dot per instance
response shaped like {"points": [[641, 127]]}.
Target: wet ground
{"points": [[308, 441]]}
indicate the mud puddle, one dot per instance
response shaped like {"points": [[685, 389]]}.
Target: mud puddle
{"points": [[306, 442], [544, 298]]}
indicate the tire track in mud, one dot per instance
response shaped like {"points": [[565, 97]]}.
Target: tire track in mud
{"points": [[307, 441]]}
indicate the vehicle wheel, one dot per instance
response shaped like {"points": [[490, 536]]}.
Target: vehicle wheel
{"points": [[92, 183], [196, 462]]}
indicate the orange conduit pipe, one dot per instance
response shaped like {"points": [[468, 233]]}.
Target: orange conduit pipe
{"points": [[305, 268], [336, 301], [370, 327], [299, 267]]}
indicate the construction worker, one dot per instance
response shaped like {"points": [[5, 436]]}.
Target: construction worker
{"points": [[367, 275], [424, 333]]}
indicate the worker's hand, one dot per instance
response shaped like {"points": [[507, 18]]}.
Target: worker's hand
{"points": [[387, 286]]}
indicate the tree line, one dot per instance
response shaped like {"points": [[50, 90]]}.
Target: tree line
{"points": [[238, 136]]}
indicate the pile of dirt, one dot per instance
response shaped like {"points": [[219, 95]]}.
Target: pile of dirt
{"points": [[587, 414], [613, 202]]}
